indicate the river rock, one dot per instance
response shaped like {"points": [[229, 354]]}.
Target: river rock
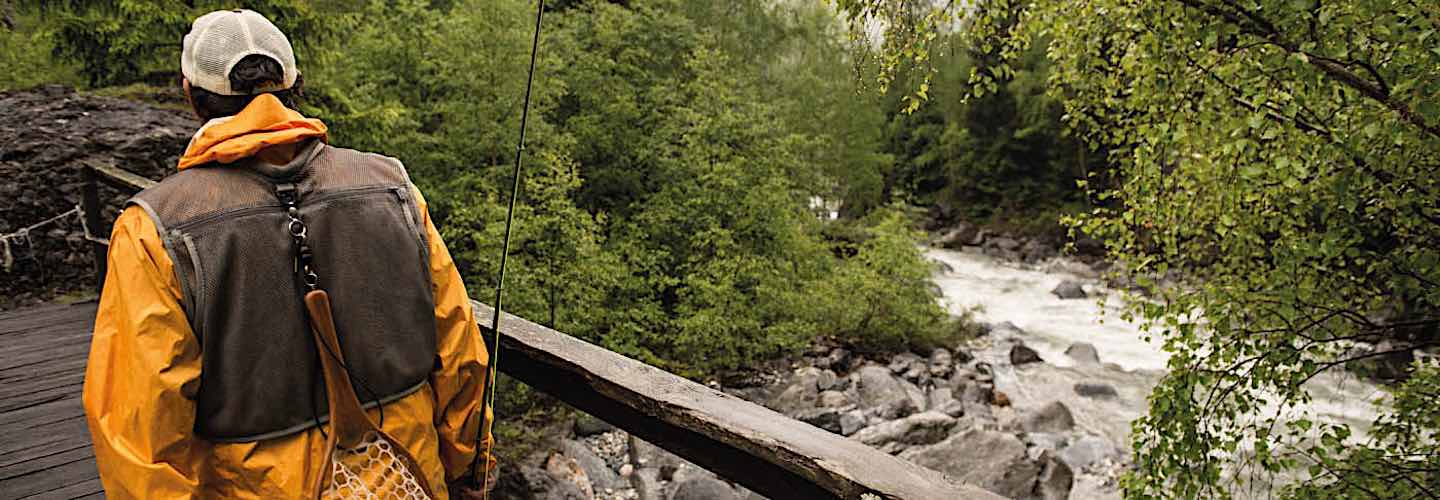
{"points": [[1020, 354], [1053, 417], [1088, 452], [1097, 390], [587, 425], [645, 455], [646, 482], [963, 234], [801, 392], [1035, 251], [826, 380], [992, 460], [1069, 290], [837, 359], [703, 488], [942, 363], [824, 418], [1083, 353], [900, 362], [1056, 478], [534, 483], [876, 387], [975, 399], [895, 435], [939, 398], [567, 470], [918, 372], [600, 474], [851, 422], [833, 399]]}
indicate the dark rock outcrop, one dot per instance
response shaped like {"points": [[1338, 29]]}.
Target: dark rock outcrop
{"points": [[45, 133]]}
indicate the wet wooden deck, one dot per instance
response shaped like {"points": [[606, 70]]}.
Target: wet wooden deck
{"points": [[44, 444]]}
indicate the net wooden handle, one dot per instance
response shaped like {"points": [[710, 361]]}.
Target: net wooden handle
{"points": [[347, 418]]}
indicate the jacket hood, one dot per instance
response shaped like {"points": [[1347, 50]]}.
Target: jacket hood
{"points": [[263, 123]]}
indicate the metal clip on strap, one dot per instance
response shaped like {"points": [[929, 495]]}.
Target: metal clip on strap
{"points": [[289, 197]]}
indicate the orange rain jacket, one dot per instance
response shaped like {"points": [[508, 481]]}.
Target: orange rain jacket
{"points": [[144, 366]]}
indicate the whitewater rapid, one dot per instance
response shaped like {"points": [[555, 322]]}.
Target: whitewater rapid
{"points": [[995, 292]]}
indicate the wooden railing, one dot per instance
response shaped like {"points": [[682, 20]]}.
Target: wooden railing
{"points": [[765, 451]]}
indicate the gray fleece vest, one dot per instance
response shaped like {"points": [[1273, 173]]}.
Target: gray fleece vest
{"points": [[225, 230]]}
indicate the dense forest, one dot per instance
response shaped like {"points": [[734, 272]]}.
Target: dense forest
{"points": [[684, 158]]}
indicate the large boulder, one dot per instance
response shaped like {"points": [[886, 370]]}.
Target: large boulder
{"points": [[1069, 290], [992, 460], [586, 425], [567, 470], [877, 388], [963, 234], [1020, 354], [801, 392], [851, 422], [1053, 417], [600, 474], [645, 455], [703, 488], [1083, 353], [900, 362], [824, 418], [646, 483], [1004, 248], [1036, 250], [1056, 478], [942, 363], [895, 435], [534, 483], [1097, 390]]}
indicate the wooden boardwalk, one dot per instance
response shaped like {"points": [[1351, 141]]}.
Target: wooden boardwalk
{"points": [[44, 443]]}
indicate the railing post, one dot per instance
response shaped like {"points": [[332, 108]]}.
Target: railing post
{"points": [[90, 204]]}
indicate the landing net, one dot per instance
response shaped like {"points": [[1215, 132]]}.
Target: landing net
{"points": [[371, 470]]}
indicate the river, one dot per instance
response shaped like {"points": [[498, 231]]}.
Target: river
{"points": [[996, 291]]}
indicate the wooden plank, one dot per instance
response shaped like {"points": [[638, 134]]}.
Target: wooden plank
{"points": [[119, 178], [85, 489], [46, 460], [41, 375], [63, 349], [15, 459], [41, 396], [51, 436], [763, 450], [49, 479]]}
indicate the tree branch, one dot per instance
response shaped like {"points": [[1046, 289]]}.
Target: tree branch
{"points": [[1256, 25]]}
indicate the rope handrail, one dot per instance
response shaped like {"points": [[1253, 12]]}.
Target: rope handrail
{"points": [[7, 256]]}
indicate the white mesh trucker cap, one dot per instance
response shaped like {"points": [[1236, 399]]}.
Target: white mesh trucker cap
{"points": [[222, 38]]}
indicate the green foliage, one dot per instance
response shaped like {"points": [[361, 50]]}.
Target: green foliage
{"points": [[116, 42], [1283, 155], [25, 45], [880, 298]]}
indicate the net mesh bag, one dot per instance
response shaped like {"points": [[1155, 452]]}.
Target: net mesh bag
{"points": [[371, 470]]}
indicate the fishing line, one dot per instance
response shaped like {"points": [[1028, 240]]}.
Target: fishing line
{"points": [[488, 397]]}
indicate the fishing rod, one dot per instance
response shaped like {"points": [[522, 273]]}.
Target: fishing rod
{"points": [[488, 397]]}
